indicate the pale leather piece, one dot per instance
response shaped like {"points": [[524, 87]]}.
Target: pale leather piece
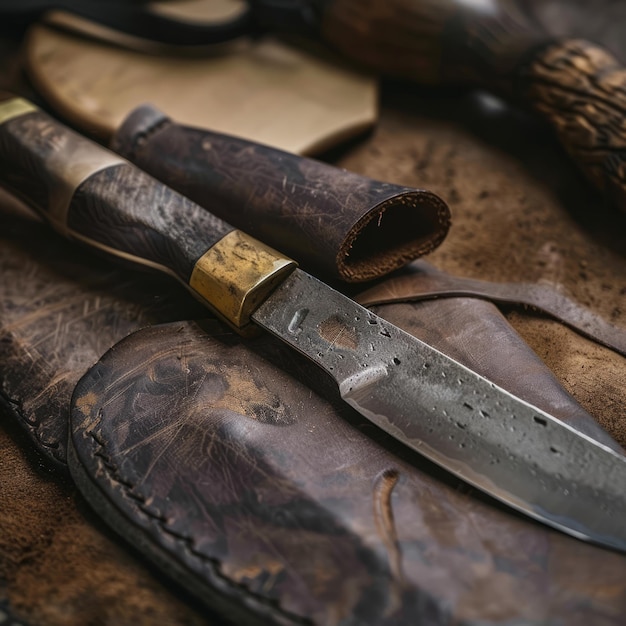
{"points": [[261, 90]]}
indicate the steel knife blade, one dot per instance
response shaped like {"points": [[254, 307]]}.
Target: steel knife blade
{"points": [[479, 432]]}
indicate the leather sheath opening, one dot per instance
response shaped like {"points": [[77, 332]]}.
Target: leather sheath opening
{"points": [[393, 233]]}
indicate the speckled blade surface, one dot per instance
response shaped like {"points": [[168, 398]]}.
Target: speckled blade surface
{"points": [[491, 439]]}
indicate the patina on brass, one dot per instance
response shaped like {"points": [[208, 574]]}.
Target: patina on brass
{"points": [[236, 275], [14, 107]]}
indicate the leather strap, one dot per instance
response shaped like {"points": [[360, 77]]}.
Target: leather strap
{"points": [[422, 281]]}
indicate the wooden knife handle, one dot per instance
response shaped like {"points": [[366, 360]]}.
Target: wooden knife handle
{"points": [[92, 195], [330, 220], [576, 86], [580, 89]]}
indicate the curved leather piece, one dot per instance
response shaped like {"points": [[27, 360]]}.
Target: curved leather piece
{"points": [[328, 219], [253, 491], [423, 281]]}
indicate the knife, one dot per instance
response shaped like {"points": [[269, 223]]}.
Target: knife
{"points": [[509, 449]]}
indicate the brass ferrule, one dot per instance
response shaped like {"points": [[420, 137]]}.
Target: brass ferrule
{"points": [[237, 274], [14, 107]]}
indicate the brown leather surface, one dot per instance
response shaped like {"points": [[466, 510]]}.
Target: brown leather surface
{"points": [[331, 221], [222, 456], [520, 214]]}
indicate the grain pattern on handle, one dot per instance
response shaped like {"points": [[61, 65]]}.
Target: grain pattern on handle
{"points": [[580, 88], [115, 208], [125, 210], [331, 220]]}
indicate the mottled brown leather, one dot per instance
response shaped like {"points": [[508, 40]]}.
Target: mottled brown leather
{"points": [[220, 460], [330, 220]]}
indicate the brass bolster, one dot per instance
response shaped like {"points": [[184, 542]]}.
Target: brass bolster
{"points": [[15, 107], [237, 274]]}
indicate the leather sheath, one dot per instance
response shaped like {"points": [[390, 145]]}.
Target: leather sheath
{"points": [[333, 222]]}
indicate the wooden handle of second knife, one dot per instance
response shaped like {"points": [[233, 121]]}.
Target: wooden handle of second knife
{"points": [[577, 87], [90, 194], [580, 89]]}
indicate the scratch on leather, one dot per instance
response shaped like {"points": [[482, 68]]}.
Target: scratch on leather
{"points": [[141, 503], [386, 527]]}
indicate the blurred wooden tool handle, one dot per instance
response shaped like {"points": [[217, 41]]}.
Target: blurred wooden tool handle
{"points": [[576, 86]]}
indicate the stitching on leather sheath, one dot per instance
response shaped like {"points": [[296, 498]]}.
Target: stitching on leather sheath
{"points": [[140, 503], [141, 138], [32, 426]]}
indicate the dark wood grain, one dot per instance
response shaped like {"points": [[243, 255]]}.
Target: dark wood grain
{"points": [[580, 88], [330, 220], [125, 209], [118, 209], [577, 87], [434, 41]]}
